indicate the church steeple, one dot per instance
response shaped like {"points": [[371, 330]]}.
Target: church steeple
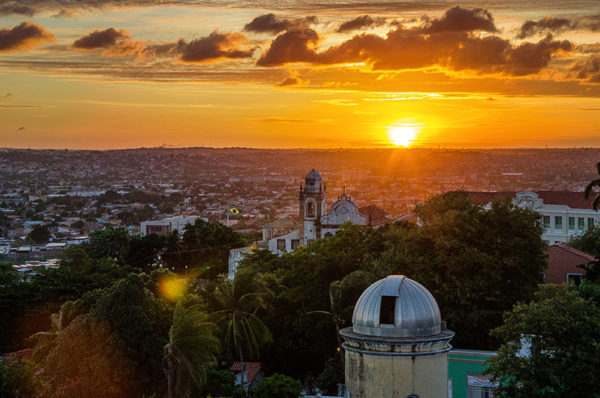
{"points": [[312, 203]]}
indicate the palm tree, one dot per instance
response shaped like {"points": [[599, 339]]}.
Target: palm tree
{"points": [[242, 331], [337, 313], [191, 347], [339, 292], [44, 342], [590, 188]]}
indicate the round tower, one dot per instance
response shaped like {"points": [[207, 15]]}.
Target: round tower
{"points": [[397, 345], [313, 203]]}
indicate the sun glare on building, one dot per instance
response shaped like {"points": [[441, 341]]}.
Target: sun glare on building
{"points": [[403, 135]]}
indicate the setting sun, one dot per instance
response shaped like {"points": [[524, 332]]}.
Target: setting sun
{"points": [[402, 135]]}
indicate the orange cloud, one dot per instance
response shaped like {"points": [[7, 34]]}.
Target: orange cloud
{"points": [[449, 42], [23, 36], [364, 21], [101, 39], [270, 23], [213, 47], [296, 45], [114, 42], [587, 69], [459, 19]]}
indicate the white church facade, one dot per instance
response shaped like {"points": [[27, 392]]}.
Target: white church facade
{"points": [[315, 221]]}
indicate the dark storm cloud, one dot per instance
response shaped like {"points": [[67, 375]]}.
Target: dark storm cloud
{"points": [[459, 19], [100, 39], [546, 25], [362, 22], [22, 36], [270, 23], [213, 47]]}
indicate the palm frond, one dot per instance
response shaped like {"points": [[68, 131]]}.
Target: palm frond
{"points": [[590, 187], [191, 346]]}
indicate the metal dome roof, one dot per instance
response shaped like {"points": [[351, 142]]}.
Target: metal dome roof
{"points": [[409, 310], [313, 181]]}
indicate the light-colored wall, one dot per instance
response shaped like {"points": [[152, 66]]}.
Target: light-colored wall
{"points": [[171, 223], [310, 231], [553, 235], [235, 257], [272, 243], [370, 376]]}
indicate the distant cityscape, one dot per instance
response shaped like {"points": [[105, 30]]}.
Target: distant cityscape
{"points": [[75, 192]]}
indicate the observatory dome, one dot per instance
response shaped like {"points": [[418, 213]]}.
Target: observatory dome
{"points": [[397, 306]]}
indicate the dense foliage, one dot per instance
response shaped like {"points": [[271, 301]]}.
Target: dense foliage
{"points": [[478, 263], [284, 311], [551, 347], [278, 386], [589, 241]]}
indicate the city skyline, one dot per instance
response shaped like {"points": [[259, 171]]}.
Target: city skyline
{"points": [[137, 73]]}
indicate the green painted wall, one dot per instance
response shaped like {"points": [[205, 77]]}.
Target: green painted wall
{"points": [[463, 362]]}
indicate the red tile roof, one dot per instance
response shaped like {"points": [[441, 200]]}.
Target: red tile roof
{"points": [[375, 214], [409, 217], [486, 197], [575, 200], [575, 251], [252, 369]]}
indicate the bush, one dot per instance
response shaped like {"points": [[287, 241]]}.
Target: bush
{"points": [[278, 386]]}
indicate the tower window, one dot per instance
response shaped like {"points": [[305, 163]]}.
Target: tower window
{"points": [[387, 310], [310, 209]]}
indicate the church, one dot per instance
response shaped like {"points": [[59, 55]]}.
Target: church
{"points": [[316, 223], [287, 235]]}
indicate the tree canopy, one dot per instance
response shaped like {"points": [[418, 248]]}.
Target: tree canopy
{"points": [[39, 234], [477, 263], [551, 347]]}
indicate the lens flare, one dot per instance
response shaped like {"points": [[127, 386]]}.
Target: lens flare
{"points": [[172, 287]]}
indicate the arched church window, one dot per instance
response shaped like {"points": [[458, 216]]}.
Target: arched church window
{"points": [[310, 209]]}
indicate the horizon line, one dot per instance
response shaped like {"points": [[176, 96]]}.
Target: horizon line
{"points": [[438, 148]]}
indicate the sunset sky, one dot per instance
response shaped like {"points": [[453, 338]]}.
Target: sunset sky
{"points": [[283, 73]]}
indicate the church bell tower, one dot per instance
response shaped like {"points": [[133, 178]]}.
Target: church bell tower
{"points": [[313, 203]]}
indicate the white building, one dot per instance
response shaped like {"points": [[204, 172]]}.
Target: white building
{"points": [[564, 213], [316, 223], [235, 257], [166, 225]]}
